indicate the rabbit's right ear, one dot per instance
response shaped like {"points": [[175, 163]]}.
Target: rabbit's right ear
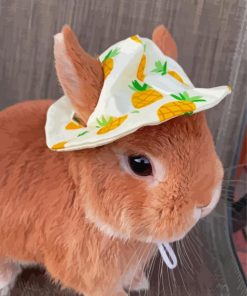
{"points": [[80, 75], [163, 38]]}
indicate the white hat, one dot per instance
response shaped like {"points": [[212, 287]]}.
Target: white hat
{"points": [[142, 87]]}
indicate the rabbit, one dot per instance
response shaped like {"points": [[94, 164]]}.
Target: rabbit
{"points": [[92, 217]]}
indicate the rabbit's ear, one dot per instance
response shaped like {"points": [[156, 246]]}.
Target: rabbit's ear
{"points": [[80, 75], [162, 38]]}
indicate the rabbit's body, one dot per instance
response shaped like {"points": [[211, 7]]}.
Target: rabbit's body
{"points": [[88, 216], [40, 220]]}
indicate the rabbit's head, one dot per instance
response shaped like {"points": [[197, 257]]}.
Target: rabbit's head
{"points": [[153, 185]]}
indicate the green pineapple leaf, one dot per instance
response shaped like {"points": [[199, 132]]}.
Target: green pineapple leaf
{"points": [[188, 113], [99, 122], [103, 121], [184, 96], [158, 65], [136, 86], [115, 52], [82, 134], [176, 97], [107, 55], [164, 68], [197, 99], [111, 54], [160, 68]]}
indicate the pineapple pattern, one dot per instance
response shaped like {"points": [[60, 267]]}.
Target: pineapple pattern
{"points": [[107, 125], [144, 95], [162, 70], [141, 68], [108, 62], [184, 105], [135, 95], [136, 39], [72, 125], [75, 123], [59, 145]]}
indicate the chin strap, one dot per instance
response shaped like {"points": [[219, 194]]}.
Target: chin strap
{"points": [[168, 255]]}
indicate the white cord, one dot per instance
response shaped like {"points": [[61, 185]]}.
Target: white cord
{"points": [[165, 250]]}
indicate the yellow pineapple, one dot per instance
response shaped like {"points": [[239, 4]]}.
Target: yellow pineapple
{"points": [[140, 71], [59, 145], [183, 106], [162, 70], [110, 124], [141, 68], [75, 123], [72, 125], [108, 62], [143, 95], [136, 39]]}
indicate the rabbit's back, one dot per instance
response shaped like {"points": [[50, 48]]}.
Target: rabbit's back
{"points": [[22, 125], [28, 171]]}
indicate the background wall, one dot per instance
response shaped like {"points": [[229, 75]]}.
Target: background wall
{"points": [[211, 37]]}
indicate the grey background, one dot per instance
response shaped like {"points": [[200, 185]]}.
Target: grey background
{"points": [[211, 37]]}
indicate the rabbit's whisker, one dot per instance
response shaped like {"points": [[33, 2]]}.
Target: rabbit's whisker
{"points": [[235, 180], [151, 267], [235, 166], [144, 248]]}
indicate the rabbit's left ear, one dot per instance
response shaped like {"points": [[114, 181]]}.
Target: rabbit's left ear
{"points": [[80, 75], [164, 40]]}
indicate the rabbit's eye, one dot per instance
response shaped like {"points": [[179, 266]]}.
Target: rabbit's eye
{"points": [[140, 165]]}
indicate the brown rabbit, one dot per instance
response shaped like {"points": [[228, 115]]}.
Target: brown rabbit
{"points": [[93, 217]]}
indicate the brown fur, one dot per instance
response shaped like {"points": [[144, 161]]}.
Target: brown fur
{"points": [[164, 40], [46, 196]]}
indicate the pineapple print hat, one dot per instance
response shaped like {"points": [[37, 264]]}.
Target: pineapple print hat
{"points": [[142, 87]]}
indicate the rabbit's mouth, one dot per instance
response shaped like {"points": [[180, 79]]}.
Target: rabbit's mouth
{"points": [[172, 232]]}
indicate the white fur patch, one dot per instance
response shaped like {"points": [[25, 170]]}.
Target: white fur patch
{"points": [[102, 226], [5, 291], [3, 283], [142, 285], [197, 213], [215, 198], [135, 280], [8, 274], [7, 283]]}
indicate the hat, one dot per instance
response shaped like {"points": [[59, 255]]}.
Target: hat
{"points": [[142, 87]]}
